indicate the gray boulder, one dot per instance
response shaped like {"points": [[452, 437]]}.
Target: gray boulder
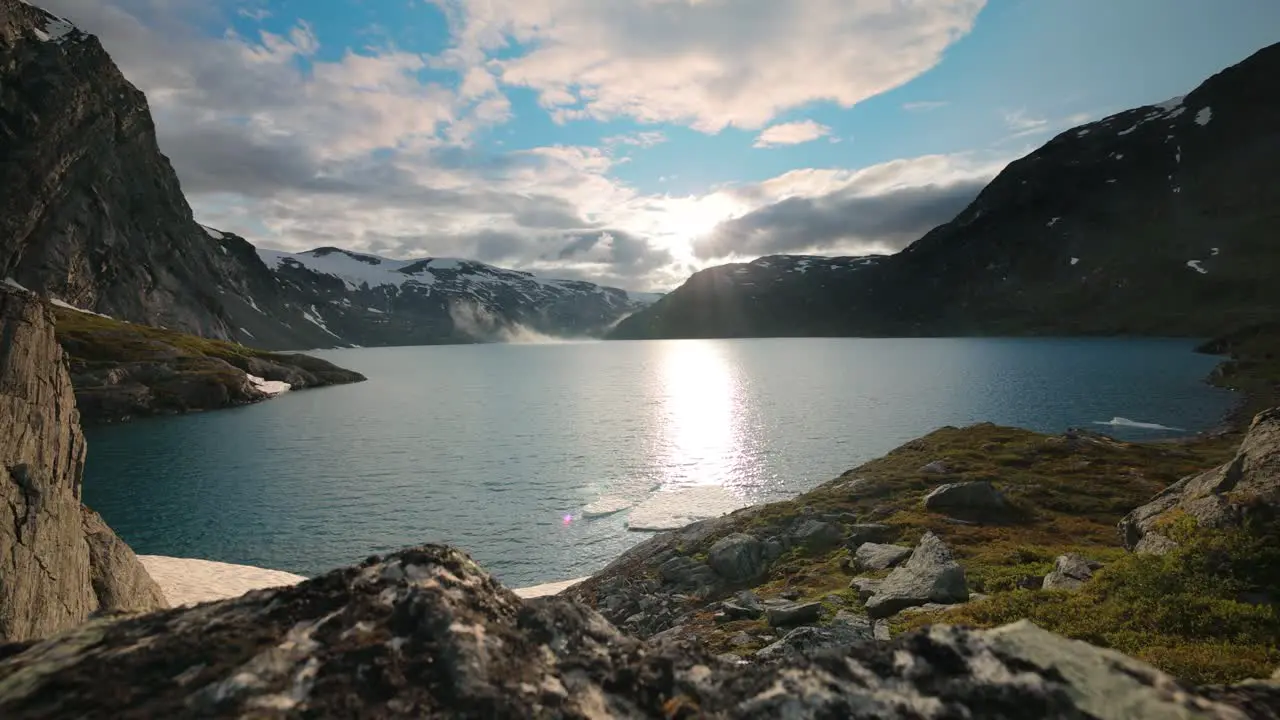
{"points": [[425, 633], [818, 535], [874, 556], [738, 558], [937, 467], [1069, 572], [793, 614], [685, 573], [805, 641], [867, 532], [59, 563], [1226, 496], [931, 574], [866, 587], [978, 496]]}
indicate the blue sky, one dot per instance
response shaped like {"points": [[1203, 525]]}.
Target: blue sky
{"points": [[611, 140]]}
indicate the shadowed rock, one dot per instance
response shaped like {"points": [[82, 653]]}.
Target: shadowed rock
{"points": [[874, 556], [425, 633], [1069, 572], [58, 561], [971, 498]]}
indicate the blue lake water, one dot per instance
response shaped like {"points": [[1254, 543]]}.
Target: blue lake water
{"points": [[505, 450]]}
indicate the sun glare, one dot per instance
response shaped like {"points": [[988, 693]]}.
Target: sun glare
{"points": [[685, 220], [702, 407]]}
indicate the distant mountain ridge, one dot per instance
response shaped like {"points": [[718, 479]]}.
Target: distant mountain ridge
{"points": [[93, 214], [1159, 220]]}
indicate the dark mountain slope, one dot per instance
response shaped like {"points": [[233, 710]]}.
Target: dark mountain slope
{"points": [[1160, 220]]}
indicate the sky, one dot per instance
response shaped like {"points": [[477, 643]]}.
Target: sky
{"points": [[633, 142]]}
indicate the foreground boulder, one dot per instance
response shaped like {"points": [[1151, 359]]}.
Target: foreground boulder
{"points": [[59, 562], [425, 633], [1246, 488], [930, 575]]}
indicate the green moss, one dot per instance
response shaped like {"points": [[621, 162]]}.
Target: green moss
{"points": [[1184, 612]]}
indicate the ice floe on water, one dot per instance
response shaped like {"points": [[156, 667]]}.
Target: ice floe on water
{"points": [[1134, 424], [607, 505], [671, 509]]}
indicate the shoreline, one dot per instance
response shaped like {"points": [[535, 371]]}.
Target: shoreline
{"points": [[191, 581]]}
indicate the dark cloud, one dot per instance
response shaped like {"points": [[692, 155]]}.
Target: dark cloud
{"points": [[890, 220]]}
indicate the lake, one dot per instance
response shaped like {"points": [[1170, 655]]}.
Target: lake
{"points": [[538, 458]]}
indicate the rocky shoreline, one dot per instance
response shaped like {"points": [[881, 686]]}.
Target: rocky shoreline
{"points": [[122, 371]]}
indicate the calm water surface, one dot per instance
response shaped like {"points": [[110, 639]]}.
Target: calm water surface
{"points": [[505, 450]]}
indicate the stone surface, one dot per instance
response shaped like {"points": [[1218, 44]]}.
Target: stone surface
{"points": [[818, 535], [807, 640], [58, 562], [738, 558], [931, 574], [1248, 486], [426, 633], [874, 556], [936, 467], [868, 532], [977, 497], [686, 574], [1069, 572], [866, 587], [793, 614]]}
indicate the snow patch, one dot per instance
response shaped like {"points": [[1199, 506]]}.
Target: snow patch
{"points": [[253, 304], [55, 30], [212, 233], [1127, 423], [1204, 116], [246, 332], [1075, 260], [1082, 133], [1172, 103], [14, 284], [314, 318], [671, 509], [64, 304], [268, 387], [1195, 265], [1213, 252], [607, 505], [1053, 222]]}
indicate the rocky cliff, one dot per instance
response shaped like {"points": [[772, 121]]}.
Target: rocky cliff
{"points": [[426, 633], [59, 563], [93, 214], [1158, 220]]}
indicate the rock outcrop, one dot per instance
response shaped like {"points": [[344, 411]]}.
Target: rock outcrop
{"points": [[1156, 220], [874, 556], [1243, 490], [58, 562], [1069, 572], [426, 633], [975, 498], [930, 575]]}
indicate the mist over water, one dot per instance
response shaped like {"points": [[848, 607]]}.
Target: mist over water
{"points": [[538, 458], [484, 326]]}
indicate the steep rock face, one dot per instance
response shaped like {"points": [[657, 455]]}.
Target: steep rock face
{"points": [[1157, 220], [58, 562], [1245, 491], [92, 212], [426, 633]]}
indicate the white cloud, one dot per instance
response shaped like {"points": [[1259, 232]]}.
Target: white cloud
{"points": [[644, 139], [1021, 123], [792, 133], [706, 63]]}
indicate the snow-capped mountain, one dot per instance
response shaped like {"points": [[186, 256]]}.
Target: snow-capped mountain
{"points": [[353, 298], [1159, 220]]}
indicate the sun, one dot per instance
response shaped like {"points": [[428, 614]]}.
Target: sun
{"points": [[685, 220]]}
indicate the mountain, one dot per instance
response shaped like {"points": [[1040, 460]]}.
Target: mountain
{"points": [[1155, 221], [93, 215]]}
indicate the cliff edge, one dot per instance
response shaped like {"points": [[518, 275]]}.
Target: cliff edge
{"points": [[59, 563]]}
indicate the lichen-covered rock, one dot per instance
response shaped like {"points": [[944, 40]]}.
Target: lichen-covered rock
{"points": [[424, 633], [817, 535], [931, 574], [738, 558], [868, 532], [808, 640], [865, 587], [874, 556], [977, 497], [1069, 572], [1246, 487], [58, 562], [793, 614]]}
